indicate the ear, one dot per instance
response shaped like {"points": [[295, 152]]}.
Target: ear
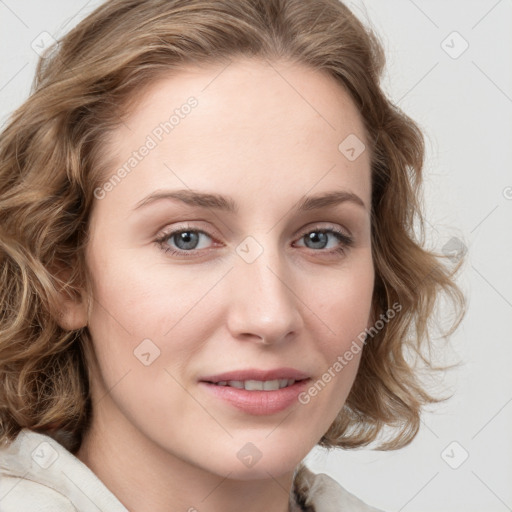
{"points": [[71, 307], [72, 313]]}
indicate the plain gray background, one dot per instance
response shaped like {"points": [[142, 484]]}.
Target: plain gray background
{"points": [[449, 66]]}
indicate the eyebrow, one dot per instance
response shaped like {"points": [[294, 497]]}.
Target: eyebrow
{"points": [[223, 203]]}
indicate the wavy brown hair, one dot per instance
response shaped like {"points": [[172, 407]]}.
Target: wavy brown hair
{"points": [[51, 160]]}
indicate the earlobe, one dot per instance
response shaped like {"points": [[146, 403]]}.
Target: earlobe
{"points": [[71, 308], [72, 314]]}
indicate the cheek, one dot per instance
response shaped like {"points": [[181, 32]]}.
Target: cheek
{"points": [[142, 313], [343, 303], [143, 300], [343, 310]]}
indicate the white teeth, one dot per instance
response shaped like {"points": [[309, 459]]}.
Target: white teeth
{"points": [[258, 385], [255, 385], [283, 383], [271, 385]]}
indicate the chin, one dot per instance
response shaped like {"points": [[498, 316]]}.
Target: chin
{"points": [[263, 461], [260, 471]]}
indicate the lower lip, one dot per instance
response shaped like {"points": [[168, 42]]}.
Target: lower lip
{"points": [[258, 402]]}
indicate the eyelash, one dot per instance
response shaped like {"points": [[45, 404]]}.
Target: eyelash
{"points": [[346, 241]]}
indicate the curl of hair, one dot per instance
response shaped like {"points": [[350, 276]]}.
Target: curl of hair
{"points": [[51, 160]]}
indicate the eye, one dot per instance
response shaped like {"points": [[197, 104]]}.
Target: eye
{"points": [[183, 240], [186, 241], [319, 238]]}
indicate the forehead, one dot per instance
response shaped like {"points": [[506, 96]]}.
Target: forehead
{"points": [[277, 127]]}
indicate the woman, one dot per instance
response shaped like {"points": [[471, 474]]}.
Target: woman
{"points": [[208, 261]]}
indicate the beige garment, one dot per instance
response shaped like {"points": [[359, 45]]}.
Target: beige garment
{"points": [[38, 474]]}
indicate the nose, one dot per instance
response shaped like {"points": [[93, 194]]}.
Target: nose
{"points": [[264, 306]]}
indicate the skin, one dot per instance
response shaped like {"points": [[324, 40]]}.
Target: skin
{"points": [[265, 135]]}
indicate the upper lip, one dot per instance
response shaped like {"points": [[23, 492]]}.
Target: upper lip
{"points": [[256, 374]]}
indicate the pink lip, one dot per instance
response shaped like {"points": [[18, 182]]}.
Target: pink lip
{"points": [[255, 374], [258, 402]]}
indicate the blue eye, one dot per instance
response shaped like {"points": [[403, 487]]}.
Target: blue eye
{"points": [[187, 241], [319, 238]]}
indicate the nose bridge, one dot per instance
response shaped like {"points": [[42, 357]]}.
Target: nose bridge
{"points": [[263, 303]]}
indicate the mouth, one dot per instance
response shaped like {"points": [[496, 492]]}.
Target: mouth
{"points": [[258, 380], [257, 392], [257, 385]]}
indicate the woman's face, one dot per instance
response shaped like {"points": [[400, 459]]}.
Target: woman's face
{"points": [[213, 253]]}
